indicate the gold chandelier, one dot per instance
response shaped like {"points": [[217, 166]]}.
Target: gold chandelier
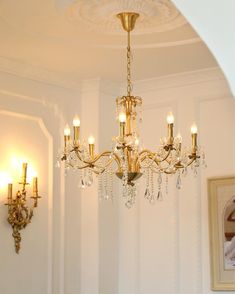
{"points": [[127, 159]]}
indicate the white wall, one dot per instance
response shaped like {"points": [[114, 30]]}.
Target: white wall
{"points": [[32, 123], [215, 29], [76, 244]]}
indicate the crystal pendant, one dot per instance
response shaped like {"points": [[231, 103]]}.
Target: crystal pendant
{"points": [[82, 184], [178, 182], [57, 165], [159, 196], [152, 199], [147, 193]]}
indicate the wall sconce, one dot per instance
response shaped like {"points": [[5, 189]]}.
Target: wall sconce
{"points": [[19, 214]]}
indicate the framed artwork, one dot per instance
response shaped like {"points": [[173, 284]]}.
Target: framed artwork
{"points": [[221, 193]]}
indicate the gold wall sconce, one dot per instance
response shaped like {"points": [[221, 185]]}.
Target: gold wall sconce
{"points": [[19, 214]]}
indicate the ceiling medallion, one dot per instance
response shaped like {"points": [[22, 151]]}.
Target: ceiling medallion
{"points": [[155, 15], [127, 159]]}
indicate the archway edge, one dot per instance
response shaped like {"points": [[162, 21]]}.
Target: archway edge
{"points": [[214, 20]]}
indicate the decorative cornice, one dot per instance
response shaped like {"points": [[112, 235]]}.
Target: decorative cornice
{"points": [[38, 74], [184, 82]]}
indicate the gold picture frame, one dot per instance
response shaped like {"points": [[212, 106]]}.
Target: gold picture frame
{"points": [[221, 194]]}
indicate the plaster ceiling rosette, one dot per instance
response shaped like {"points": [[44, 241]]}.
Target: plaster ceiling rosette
{"points": [[100, 16], [160, 24], [95, 23]]}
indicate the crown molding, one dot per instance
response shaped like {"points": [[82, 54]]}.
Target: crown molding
{"points": [[200, 83], [35, 73], [211, 80]]}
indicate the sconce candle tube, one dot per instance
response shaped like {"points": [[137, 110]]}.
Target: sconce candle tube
{"points": [[194, 138], [9, 193], [91, 142], [66, 135], [76, 130], [24, 173], [194, 143], [170, 121], [122, 125], [35, 187], [170, 133]]}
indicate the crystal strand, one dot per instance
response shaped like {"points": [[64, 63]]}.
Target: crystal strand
{"points": [[100, 189], [106, 194], [152, 196], [159, 181], [204, 164], [111, 183], [147, 192], [81, 183], [57, 164], [178, 181], [167, 183], [185, 171]]}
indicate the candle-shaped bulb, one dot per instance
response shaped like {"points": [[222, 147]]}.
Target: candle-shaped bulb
{"points": [[194, 129], [170, 118], [91, 140], [76, 121], [122, 117], [67, 131]]}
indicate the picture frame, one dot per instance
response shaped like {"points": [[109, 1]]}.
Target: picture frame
{"points": [[221, 204]]}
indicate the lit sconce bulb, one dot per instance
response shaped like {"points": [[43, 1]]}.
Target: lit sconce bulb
{"points": [[122, 117], [91, 140], [137, 141], [194, 129], [76, 121], [170, 118], [67, 131]]}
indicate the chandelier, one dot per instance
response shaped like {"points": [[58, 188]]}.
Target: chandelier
{"points": [[127, 159]]}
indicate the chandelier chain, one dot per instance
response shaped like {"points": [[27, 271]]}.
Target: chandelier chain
{"points": [[129, 83]]}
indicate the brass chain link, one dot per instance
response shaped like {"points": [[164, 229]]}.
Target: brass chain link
{"points": [[129, 84]]}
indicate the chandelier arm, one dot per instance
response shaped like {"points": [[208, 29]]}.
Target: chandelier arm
{"points": [[191, 161], [79, 167], [97, 157], [103, 168], [151, 155]]}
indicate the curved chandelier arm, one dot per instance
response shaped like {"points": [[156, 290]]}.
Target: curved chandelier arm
{"points": [[91, 163], [152, 155]]}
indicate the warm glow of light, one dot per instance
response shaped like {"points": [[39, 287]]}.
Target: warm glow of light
{"points": [[67, 130], [76, 121], [91, 140], [16, 168], [194, 129], [170, 118], [122, 117], [5, 179], [31, 173]]}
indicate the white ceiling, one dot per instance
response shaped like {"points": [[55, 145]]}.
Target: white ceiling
{"points": [[84, 39]]}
